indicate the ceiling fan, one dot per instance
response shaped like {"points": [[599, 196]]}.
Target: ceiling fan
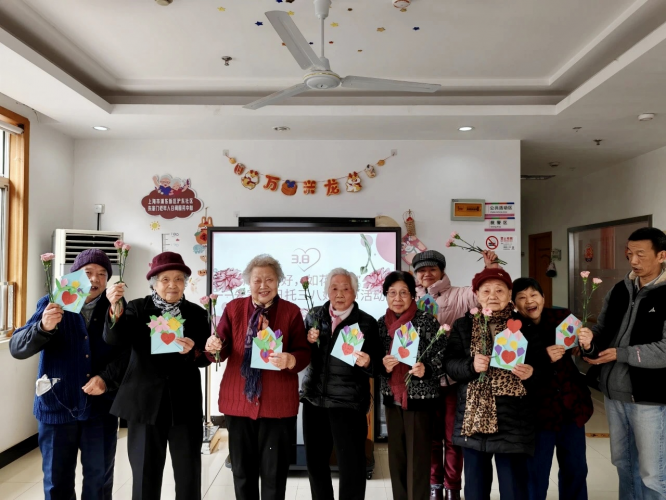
{"points": [[319, 75]]}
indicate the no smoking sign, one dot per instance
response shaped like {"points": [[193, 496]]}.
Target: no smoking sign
{"points": [[492, 243]]}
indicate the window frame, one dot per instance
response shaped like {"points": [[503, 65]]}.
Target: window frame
{"points": [[17, 230]]}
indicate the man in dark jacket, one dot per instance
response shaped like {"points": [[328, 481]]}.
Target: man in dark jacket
{"points": [[629, 341], [77, 373]]}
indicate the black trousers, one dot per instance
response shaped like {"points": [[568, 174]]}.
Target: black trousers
{"points": [[512, 473], [146, 447], [346, 429], [260, 448], [410, 442]]}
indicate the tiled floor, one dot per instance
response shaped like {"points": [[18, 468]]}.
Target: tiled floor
{"points": [[22, 479]]}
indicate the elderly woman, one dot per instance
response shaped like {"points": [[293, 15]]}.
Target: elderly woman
{"points": [[260, 405], [336, 395], [410, 407], [453, 302], [494, 416], [564, 403], [160, 396]]}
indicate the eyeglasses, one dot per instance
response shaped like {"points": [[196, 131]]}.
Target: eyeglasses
{"points": [[403, 294]]}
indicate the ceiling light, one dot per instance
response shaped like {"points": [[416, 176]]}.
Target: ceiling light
{"points": [[281, 129], [527, 177], [164, 3], [101, 128], [466, 128], [554, 164], [645, 117]]}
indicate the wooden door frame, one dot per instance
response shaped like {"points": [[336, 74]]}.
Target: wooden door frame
{"points": [[532, 261]]}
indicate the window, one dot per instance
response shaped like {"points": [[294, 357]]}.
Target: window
{"points": [[14, 149]]}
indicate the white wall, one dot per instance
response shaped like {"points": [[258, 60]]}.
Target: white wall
{"points": [[50, 207], [423, 177], [629, 189]]}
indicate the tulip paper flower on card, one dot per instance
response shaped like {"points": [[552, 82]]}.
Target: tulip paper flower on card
{"points": [[71, 291], [406, 344], [350, 339], [164, 330], [264, 344], [428, 304], [509, 349], [566, 333]]}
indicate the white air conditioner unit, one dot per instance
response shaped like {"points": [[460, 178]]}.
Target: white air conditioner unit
{"points": [[68, 243]]}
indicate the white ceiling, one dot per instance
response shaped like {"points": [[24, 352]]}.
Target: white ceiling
{"points": [[519, 69]]}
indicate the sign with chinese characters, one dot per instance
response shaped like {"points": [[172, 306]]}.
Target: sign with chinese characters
{"points": [[172, 198], [469, 210], [500, 223], [500, 208], [507, 243]]}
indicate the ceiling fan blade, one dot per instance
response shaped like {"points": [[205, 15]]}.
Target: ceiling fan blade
{"points": [[294, 40], [278, 96], [364, 83]]}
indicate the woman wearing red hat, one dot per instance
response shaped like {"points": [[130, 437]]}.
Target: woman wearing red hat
{"points": [[160, 396], [495, 413]]}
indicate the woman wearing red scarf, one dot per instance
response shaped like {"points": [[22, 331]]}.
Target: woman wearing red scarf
{"points": [[409, 407], [260, 405]]}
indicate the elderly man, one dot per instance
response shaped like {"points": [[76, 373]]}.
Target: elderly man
{"points": [[629, 341], [81, 370]]}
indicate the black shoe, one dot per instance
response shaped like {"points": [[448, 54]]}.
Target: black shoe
{"points": [[227, 462], [436, 491], [452, 495]]}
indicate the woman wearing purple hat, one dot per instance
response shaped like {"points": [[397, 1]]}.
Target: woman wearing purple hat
{"points": [[160, 396], [78, 375], [496, 412]]}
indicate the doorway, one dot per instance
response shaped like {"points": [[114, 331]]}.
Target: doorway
{"points": [[540, 248]]}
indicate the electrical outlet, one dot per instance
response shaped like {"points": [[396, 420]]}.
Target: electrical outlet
{"points": [[225, 152], [99, 209], [394, 152]]}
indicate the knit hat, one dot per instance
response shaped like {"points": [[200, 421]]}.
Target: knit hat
{"points": [[429, 258], [167, 261], [491, 274], [93, 256]]}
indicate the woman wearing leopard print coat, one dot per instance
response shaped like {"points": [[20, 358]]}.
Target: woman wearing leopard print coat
{"points": [[410, 407], [496, 411]]}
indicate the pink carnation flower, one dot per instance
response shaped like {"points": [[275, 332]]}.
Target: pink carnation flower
{"points": [[446, 327], [227, 279], [204, 300], [596, 281], [474, 311], [585, 274], [454, 235], [375, 280], [305, 279], [118, 244], [47, 257], [126, 247], [487, 312], [449, 243], [213, 296]]}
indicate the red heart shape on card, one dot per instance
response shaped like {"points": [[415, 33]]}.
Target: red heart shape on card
{"points": [[569, 340], [167, 338], [514, 325], [265, 355], [508, 356], [68, 298], [403, 352], [347, 349]]}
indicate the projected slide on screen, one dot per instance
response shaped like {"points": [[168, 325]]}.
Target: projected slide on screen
{"points": [[371, 254]]}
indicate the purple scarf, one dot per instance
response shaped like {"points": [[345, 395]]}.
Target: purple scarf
{"points": [[251, 375]]}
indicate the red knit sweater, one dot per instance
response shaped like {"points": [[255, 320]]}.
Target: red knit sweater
{"points": [[279, 393]]}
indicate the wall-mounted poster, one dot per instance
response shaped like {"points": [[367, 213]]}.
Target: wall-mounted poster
{"points": [[172, 197]]}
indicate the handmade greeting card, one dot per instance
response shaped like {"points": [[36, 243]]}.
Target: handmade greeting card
{"points": [[566, 333], [406, 344], [509, 348], [350, 339], [164, 330], [71, 291], [428, 304], [265, 343]]}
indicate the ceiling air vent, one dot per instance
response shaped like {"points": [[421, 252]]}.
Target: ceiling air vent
{"points": [[536, 177]]}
